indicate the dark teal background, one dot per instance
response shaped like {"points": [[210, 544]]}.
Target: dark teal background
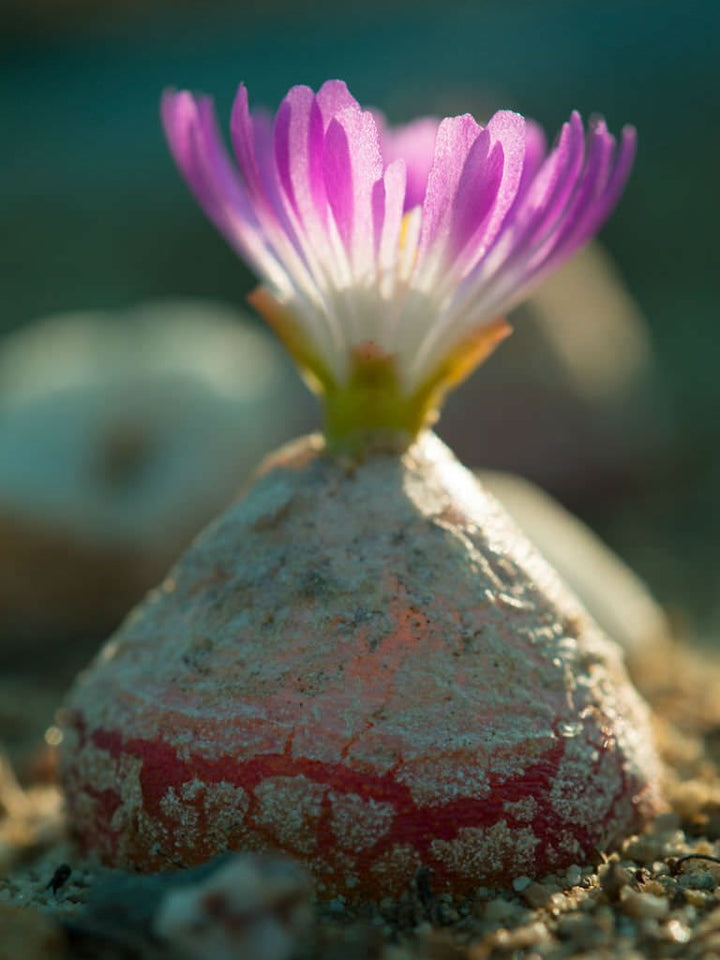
{"points": [[94, 215]]}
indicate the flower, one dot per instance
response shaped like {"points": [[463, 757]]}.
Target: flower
{"points": [[388, 256]]}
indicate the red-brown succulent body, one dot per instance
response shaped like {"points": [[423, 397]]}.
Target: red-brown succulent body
{"points": [[374, 697]]}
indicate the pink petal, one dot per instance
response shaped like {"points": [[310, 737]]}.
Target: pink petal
{"points": [[541, 202], [415, 144], [318, 208], [489, 186], [599, 153], [455, 137], [565, 225], [389, 206], [510, 130], [624, 161], [351, 166], [337, 173], [197, 146], [269, 203], [180, 120], [298, 156], [198, 150], [570, 196], [334, 97], [243, 140], [252, 140], [476, 191], [597, 196], [535, 150], [263, 149], [555, 181]]}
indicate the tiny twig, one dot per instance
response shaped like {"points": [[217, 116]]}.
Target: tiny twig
{"points": [[693, 856], [59, 878]]}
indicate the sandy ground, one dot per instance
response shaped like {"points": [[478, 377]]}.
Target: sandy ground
{"points": [[658, 896]]}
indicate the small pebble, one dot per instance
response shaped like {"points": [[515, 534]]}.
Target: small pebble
{"points": [[571, 925], [699, 899], [677, 932], [613, 879], [536, 895], [655, 888], [644, 905], [251, 906], [499, 909], [573, 875], [521, 883], [447, 915], [531, 935], [698, 880]]}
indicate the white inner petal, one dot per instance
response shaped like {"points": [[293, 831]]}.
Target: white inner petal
{"points": [[411, 314]]}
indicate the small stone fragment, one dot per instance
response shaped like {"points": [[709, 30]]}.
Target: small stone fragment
{"points": [[644, 906], [699, 899], [251, 907], [522, 938], [537, 895], [573, 875], [677, 931], [698, 880], [499, 910], [583, 930], [521, 883], [613, 878]]}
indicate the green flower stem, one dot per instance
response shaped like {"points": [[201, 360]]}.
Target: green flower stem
{"points": [[369, 412]]}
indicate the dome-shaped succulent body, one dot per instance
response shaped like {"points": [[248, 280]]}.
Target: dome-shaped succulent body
{"points": [[370, 669]]}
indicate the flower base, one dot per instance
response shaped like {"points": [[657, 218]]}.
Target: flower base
{"points": [[371, 671]]}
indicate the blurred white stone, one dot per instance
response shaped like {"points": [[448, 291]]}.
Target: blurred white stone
{"points": [[121, 435], [614, 596], [252, 908], [574, 398]]}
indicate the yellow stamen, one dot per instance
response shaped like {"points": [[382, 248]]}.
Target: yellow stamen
{"points": [[404, 229]]}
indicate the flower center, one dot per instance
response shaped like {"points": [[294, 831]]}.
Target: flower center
{"points": [[370, 409]]}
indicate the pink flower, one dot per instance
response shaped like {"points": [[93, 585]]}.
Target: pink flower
{"points": [[393, 247]]}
